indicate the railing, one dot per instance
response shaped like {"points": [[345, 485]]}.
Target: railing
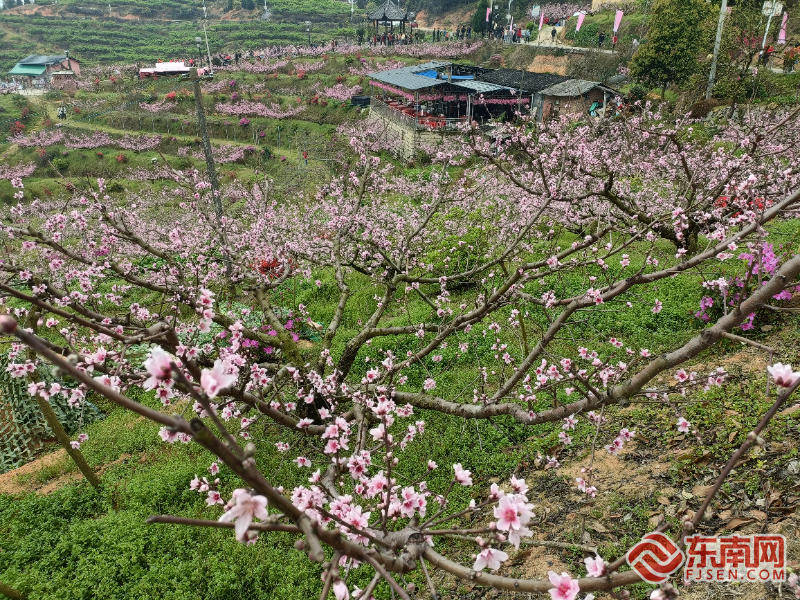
{"points": [[418, 122]]}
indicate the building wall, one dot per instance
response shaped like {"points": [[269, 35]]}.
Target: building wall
{"points": [[71, 65], [575, 106], [406, 139]]}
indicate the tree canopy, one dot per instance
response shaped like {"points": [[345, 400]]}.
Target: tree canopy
{"points": [[678, 34]]}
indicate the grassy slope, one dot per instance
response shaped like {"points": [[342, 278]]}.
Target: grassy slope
{"points": [[94, 40], [76, 543]]}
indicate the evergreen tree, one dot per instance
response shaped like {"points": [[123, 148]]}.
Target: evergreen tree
{"points": [[677, 36], [248, 4], [229, 6], [479, 18]]}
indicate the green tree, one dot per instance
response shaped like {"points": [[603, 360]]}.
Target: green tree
{"points": [[248, 4], [479, 18], [229, 6], [677, 36]]}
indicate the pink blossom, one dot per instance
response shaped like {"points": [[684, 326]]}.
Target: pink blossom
{"points": [[683, 425], [564, 586], [491, 558], [782, 375], [214, 380], [242, 509], [507, 513], [340, 590], [463, 476], [159, 365], [657, 307], [595, 566], [429, 384]]}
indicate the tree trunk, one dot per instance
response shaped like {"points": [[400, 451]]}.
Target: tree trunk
{"points": [[63, 439], [11, 592], [58, 430]]}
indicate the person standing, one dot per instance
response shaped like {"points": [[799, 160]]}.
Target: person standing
{"points": [[614, 41], [553, 35], [601, 37]]}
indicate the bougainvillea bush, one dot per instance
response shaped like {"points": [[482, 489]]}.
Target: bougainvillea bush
{"points": [[493, 263]]}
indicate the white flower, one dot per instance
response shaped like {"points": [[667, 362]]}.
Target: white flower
{"points": [[489, 558], [782, 375], [242, 509]]}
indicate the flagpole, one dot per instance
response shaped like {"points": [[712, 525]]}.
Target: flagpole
{"points": [[769, 21]]}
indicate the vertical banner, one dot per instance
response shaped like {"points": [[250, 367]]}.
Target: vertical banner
{"points": [[488, 12], [581, 16], [782, 33], [617, 20], [541, 20]]}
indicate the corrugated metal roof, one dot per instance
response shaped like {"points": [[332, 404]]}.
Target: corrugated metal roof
{"points": [[408, 78], [42, 59], [523, 80], [482, 87], [574, 87], [20, 69]]}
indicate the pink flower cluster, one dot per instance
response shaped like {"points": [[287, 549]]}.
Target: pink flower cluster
{"points": [[163, 105], [341, 92], [139, 143], [95, 139], [272, 111], [16, 171], [40, 139]]}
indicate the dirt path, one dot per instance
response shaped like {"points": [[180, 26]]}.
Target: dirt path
{"points": [[46, 474]]}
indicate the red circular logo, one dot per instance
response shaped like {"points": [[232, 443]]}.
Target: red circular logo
{"points": [[655, 558]]}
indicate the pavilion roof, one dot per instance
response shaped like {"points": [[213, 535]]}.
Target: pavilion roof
{"points": [[388, 11]]}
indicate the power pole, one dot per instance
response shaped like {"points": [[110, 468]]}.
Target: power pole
{"points": [[201, 121], [723, 10], [208, 48]]}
